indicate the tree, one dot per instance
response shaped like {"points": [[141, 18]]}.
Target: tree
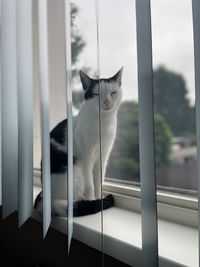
{"points": [[77, 45], [163, 138], [77, 41], [124, 158], [170, 96]]}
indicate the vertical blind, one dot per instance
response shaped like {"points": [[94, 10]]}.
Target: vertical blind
{"points": [[16, 122], [196, 33], [25, 108], [44, 106], [9, 107], [69, 124], [146, 136]]}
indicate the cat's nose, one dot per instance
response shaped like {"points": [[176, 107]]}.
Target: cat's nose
{"points": [[107, 102]]}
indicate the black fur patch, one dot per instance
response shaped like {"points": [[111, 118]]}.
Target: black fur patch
{"points": [[87, 207], [59, 132], [89, 93], [59, 159]]}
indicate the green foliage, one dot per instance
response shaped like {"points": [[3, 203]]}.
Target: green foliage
{"points": [[124, 158], [163, 137], [170, 97]]}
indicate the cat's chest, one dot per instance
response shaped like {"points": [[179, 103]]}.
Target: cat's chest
{"points": [[87, 138]]}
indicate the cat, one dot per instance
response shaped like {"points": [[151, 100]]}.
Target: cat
{"points": [[86, 160]]}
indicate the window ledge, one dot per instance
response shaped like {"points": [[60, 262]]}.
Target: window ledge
{"points": [[172, 206], [178, 244]]}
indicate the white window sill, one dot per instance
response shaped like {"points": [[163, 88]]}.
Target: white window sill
{"points": [[178, 244]]}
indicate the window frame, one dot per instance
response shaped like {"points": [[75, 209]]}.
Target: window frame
{"points": [[173, 204]]}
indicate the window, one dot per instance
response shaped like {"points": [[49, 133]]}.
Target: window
{"points": [[174, 94], [175, 144], [102, 40]]}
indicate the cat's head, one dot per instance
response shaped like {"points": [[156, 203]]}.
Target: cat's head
{"points": [[108, 89]]}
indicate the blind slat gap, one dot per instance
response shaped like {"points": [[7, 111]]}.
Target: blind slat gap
{"points": [[9, 107], [25, 108], [146, 136], [196, 34], [44, 107], [70, 124]]}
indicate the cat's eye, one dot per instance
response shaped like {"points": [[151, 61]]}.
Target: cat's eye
{"points": [[113, 93], [95, 94]]}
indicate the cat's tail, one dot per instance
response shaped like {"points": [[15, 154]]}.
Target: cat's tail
{"points": [[87, 207], [80, 208]]}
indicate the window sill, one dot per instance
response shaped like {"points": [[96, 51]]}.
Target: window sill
{"points": [[178, 244], [172, 206]]}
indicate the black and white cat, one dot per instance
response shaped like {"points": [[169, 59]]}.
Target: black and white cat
{"points": [[86, 145]]}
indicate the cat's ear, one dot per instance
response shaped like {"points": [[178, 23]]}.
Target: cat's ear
{"points": [[85, 79], [118, 77]]}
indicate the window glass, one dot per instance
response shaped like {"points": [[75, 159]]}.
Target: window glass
{"points": [[117, 49], [174, 94], [174, 117]]}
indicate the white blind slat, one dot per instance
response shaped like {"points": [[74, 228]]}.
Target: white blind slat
{"points": [[146, 137], [9, 107], [25, 108], [70, 124], [44, 107], [196, 33]]}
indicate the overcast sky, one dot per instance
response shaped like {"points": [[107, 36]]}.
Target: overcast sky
{"points": [[172, 39]]}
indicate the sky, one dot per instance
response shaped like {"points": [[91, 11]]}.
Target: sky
{"points": [[172, 40]]}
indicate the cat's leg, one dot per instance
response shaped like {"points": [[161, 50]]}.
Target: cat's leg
{"points": [[87, 167], [78, 183], [97, 179], [99, 171]]}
